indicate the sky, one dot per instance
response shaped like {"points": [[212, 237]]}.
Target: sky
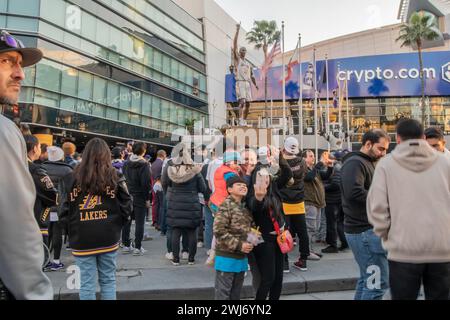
{"points": [[316, 20]]}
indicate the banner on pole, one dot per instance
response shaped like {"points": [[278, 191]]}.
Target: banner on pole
{"points": [[370, 76]]}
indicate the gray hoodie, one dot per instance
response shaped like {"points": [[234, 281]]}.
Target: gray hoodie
{"points": [[409, 203], [447, 153], [21, 249]]}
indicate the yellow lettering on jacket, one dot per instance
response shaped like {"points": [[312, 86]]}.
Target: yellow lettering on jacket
{"points": [[93, 215], [111, 193]]}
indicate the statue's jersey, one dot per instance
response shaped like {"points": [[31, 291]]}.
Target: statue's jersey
{"points": [[243, 80], [243, 71]]}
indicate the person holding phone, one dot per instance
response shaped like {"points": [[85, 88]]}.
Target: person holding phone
{"points": [[293, 197], [315, 195], [264, 202]]}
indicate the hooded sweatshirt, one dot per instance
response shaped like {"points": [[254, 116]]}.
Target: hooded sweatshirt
{"points": [[356, 178], [21, 252], [409, 204], [138, 175], [294, 191]]}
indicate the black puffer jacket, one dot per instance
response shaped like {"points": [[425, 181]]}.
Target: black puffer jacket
{"points": [[137, 171], [294, 191], [208, 191], [183, 183], [261, 209]]}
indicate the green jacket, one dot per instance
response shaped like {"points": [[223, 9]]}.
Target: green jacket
{"points": [[314, 188], [232, 224]]}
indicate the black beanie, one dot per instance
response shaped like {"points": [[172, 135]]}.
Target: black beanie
{"points": [[234, 179]]}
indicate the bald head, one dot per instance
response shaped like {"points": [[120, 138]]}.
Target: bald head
{"points": [[242, 52]]}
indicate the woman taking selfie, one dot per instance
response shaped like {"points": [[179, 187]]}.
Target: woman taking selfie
{"points": [[264, 203]]}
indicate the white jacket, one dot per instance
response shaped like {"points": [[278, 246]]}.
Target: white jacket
{"points": [[21, 249], [409, 203]]}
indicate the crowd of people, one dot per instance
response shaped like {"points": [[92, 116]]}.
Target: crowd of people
{"points": [[219, 202], [248, 206]]}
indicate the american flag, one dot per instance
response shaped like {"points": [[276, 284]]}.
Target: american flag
{"points": [[289, 68], [276, 49]]}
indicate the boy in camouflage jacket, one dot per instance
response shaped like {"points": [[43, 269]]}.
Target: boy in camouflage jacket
{"points": [[232, 224]]}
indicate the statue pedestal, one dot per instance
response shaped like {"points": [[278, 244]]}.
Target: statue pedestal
{"points": [[253, 137]]}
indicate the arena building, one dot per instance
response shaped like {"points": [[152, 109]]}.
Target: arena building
{"points": [[383, 81]]}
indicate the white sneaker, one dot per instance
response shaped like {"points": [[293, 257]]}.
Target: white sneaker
{"points": [[184, 256], [139, 252], [199, 244], [126, 250], [169, 256], [175, 263], [241, 122]]}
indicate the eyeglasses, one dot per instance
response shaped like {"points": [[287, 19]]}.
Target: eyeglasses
{"points": [[10, 41]]}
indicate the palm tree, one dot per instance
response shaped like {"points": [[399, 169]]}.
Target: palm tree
{"points": [[189, 124], [421, 27], [264, 34]]}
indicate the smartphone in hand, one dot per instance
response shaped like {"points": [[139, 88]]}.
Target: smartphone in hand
{"points": [[262, 178]]}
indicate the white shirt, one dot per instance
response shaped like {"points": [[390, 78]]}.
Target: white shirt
{"points": [[213, 166]]}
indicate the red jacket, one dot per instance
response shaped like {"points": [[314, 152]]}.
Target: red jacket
{"points": [[220, 186]]}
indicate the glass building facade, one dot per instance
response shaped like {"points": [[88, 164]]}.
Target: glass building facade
{"points": [[363, 114], [371, 113], [128, 69]]}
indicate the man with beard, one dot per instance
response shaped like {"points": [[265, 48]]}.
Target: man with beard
{"points": [[436, 140], [21, 253], [356, 178]]}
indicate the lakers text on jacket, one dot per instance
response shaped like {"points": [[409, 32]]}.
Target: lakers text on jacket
{"points": [[95, 221]]}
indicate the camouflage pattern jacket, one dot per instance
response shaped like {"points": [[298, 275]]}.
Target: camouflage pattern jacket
{"points": [[232, 224]]}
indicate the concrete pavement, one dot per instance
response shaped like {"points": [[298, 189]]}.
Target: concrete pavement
{"points": [[152, 276]]}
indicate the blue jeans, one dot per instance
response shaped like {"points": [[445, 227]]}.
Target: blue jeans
{"points": [[373, 265], [103, 264], [209, 223], [322, 232]]}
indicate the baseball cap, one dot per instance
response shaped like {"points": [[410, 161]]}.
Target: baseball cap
{"points": [[8, 43], [338, 155], [263, 152], [234, 179], [291, 145], [231, 156], [55, 154]]}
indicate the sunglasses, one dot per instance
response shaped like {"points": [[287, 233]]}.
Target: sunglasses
{"points": [[10, 41]]}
